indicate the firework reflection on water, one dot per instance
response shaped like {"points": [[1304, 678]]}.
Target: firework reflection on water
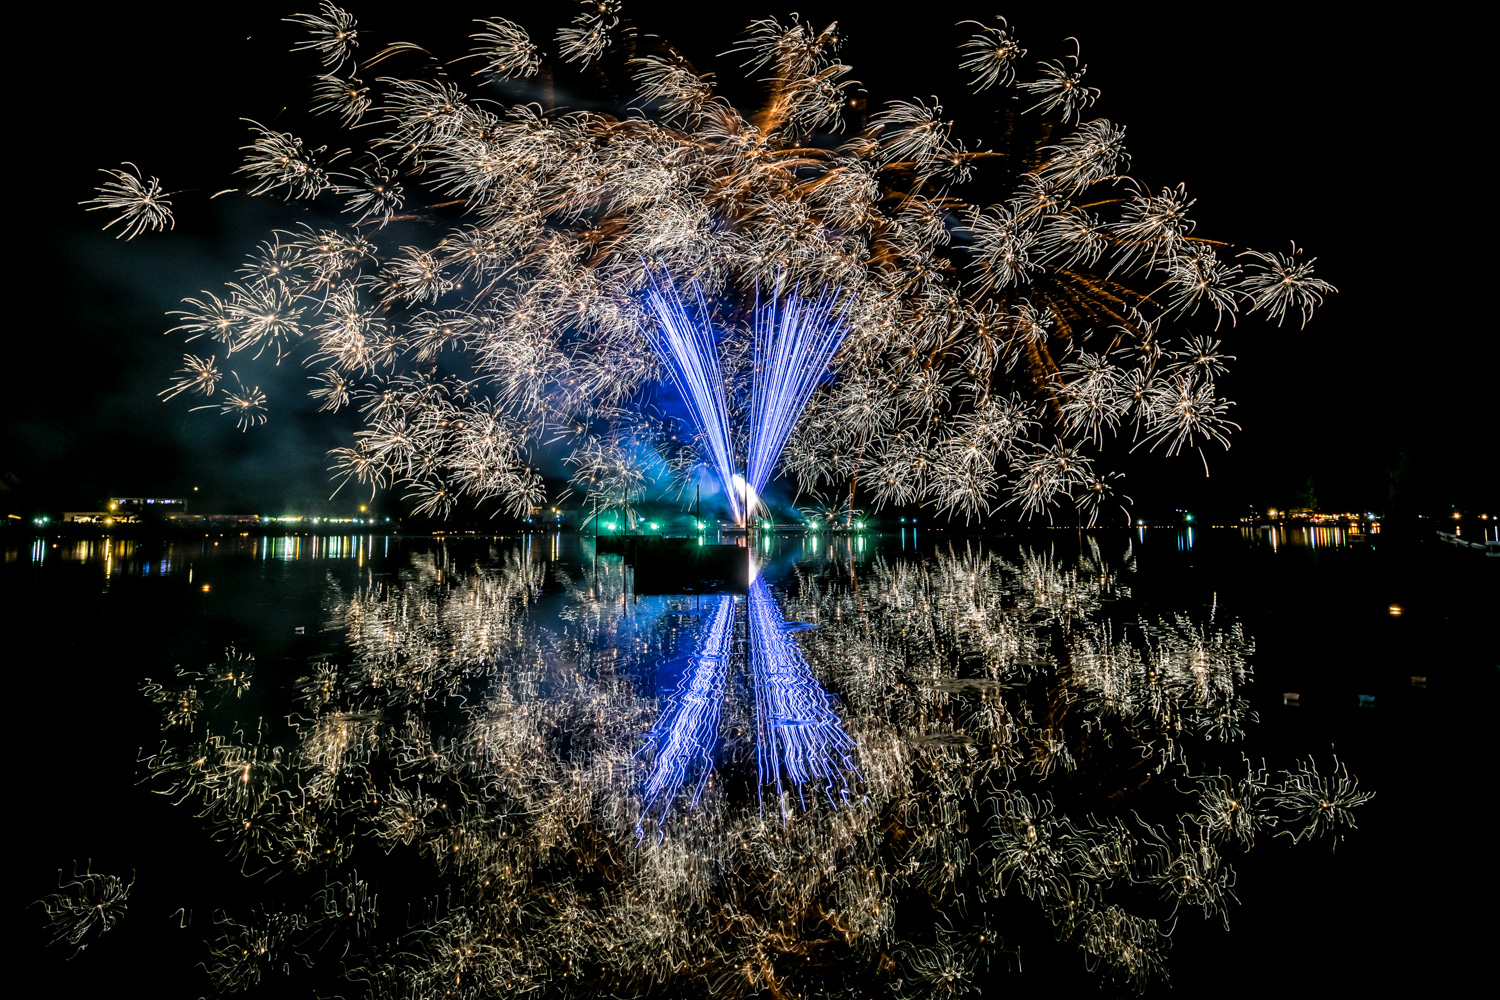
{"points": [[497, 738]]}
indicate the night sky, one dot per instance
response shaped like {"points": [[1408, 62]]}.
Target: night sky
{"points": [[1347, 136]]}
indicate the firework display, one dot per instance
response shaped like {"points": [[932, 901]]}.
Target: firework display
{"points": [[503, 276], [688, 351], [890, 779], [85, 907]]}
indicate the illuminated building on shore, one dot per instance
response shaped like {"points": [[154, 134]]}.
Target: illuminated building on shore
{"points": [[128, 510]]}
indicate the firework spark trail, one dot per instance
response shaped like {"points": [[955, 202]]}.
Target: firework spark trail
{"points": [[689, 729], [687, 350], [797, 734], [794, 342]]}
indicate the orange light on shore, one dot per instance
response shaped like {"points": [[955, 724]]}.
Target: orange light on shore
{"points": [[1394, 609]]}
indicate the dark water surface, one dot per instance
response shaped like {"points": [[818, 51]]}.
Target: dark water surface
{"points": [[407, 766]]}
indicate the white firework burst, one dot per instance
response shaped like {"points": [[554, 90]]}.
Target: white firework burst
{"points": [[500, 255], [139, 202]]}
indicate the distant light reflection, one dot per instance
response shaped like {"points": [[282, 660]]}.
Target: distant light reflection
{"points": [[1315, 537]]}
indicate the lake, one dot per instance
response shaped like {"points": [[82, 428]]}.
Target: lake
{"points": [[919, 764]]}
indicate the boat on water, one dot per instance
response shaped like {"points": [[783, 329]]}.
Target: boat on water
{"points": [[1490, 547]]}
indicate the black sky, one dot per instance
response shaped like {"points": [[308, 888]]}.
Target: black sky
{"points": [[1298, 125]]}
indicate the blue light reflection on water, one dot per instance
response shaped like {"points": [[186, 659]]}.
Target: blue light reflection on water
{"points": [[687, 731], [799, 738]]}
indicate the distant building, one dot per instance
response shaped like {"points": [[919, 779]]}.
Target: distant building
{"points": [[128, 510], [98, 517], [142, 505], [551, 517], [215, 520]]}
